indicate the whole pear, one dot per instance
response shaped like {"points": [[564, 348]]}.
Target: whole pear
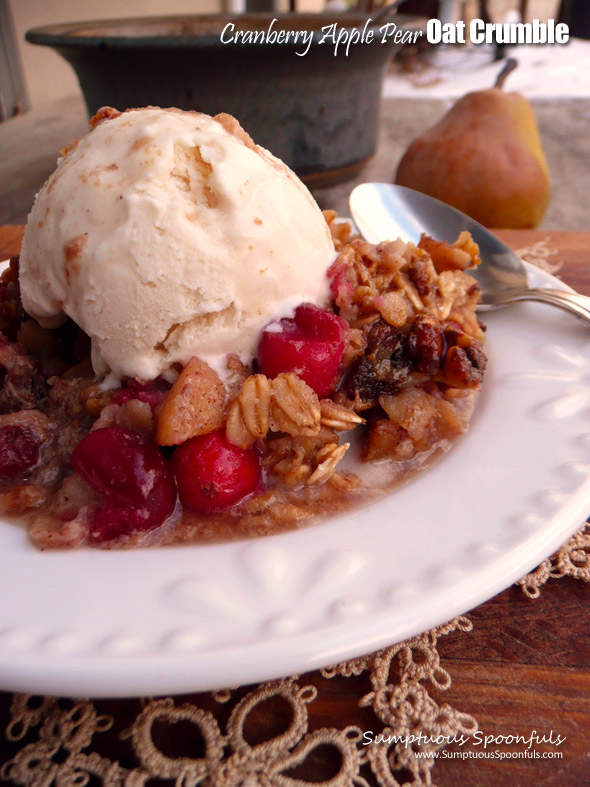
{"points": [[485, 158]]}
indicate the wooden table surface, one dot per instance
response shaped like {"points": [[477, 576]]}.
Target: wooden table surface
{"points": [[526, 665]]}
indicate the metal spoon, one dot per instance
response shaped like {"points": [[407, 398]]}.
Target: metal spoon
{"points": [[383, 211]]}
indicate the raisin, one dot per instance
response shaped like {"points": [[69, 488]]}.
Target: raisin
{"points": [[384, 368], [361, 379], [389, 350], [427, 343], [384, 340]]}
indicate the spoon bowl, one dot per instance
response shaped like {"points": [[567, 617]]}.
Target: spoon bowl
{"points": [[384, 211]]}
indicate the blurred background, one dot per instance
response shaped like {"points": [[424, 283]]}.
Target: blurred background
{"points": [[45, 77], [41, 106]]}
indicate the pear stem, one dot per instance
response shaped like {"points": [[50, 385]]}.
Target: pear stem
{"points": [[509, 67]]}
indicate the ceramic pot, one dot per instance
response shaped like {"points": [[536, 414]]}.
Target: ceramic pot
{"points": [[318, 112]]}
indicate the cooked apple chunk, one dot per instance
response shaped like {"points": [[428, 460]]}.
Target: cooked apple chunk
{"points": [[195, 405]]}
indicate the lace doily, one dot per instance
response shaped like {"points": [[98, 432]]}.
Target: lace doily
{"points": [[540, 254], [263, 735]]}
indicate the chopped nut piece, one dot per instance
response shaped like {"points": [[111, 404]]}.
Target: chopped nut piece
{"points": [[295, 408], [337, 417], [237, 373], [195, 405], [464, 368]]}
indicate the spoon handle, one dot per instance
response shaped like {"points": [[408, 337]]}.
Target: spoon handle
{"points": [[569, 301]]}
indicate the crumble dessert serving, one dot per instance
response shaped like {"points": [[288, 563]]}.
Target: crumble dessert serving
{"points": [[190, 350]]}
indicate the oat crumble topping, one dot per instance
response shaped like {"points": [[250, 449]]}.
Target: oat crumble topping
{"points": [[411, 365]]}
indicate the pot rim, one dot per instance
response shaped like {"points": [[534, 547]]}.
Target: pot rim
{"points": [[68, 35]]}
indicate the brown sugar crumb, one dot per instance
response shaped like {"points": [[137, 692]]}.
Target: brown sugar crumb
{"points": [[74, 247], [104, 113]]}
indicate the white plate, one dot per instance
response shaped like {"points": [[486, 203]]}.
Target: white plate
{"points": [[174, 620]]}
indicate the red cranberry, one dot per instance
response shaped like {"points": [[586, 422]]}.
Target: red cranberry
{"points": [[311, 345], [212, 474], [131, 473], [116, 519], [153, 392], [19, 450]]}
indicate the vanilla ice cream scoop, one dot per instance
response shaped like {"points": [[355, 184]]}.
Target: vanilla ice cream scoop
{"points": [[167, 234]]}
